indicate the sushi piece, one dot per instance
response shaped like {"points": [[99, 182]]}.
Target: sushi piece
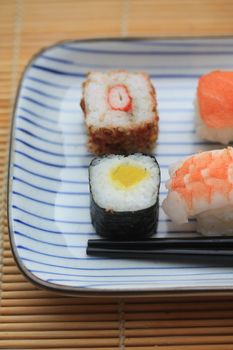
{"points": [[215, 107], [201, 187], [124, 195], [120, 112]]}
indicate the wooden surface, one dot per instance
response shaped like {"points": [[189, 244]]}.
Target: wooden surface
{"points": [[36, 319]]}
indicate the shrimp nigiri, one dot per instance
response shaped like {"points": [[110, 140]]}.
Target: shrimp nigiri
{"points": [[201, 187]]}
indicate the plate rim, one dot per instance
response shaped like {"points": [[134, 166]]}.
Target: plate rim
{"points": [[87, 292]]}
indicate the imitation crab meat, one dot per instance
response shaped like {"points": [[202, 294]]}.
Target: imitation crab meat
{"points": [[119, 98]]}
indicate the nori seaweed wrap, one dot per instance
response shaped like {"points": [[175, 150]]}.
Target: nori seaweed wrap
{"points": [[124, 194]]}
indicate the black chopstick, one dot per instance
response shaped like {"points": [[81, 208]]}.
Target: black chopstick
{"points": [[150, 248]]}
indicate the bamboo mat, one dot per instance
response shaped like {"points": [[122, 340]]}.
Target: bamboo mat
{"points": [[37, 319]]}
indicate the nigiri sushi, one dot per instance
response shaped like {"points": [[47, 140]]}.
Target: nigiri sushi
{"points": [[124, 195], [201, 187], [120, 112], [215, 106]]}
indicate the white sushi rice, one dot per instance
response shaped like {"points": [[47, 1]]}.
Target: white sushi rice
{"points": [[99, 113], [140, 196], [216, 222], [222, 135]]}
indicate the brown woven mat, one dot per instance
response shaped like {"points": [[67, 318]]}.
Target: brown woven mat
{"points": [[36, 319]]}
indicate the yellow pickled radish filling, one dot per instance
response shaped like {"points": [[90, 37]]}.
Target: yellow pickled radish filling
{"points": [[127, 175]]}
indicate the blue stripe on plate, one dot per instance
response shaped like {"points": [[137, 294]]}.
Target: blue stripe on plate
{"points": [[40, 117], [147, 279], [56, 154], [62, 166], [52, 205], [47, 82], [49, 120], [25, 131], [17, 233], [52, 108], [49, 177], [86, 155], [53, 97], [82, 75], [21, 247], [56, 71], [38, 125], [66, 233], [56, 59], [148, 267], [118, 276], [17, 179]]}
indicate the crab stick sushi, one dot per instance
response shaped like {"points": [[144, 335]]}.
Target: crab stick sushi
{"points": [[201, 187], [124, 195], [120, 112], [215, 106]]}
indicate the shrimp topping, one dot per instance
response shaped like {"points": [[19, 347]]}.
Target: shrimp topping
{"points": [[206, 175]]}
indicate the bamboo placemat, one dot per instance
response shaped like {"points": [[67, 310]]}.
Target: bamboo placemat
{"points": [[37, 319]]}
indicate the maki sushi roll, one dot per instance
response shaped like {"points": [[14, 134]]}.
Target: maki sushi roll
{"points": [[124, 195], [201, 187], [120, 112], [215, 106]]}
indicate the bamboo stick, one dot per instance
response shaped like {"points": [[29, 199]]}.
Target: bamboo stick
{"points": [[65, 334], [145, 324], [54, 301], [7, 253], [6, 245], [182, 331], [57, 309], [18, 286], [109, 333], [185, 347], [60, 334], [49, 343], [9, 261], [179, 315], [13, 278], [10, 269], [38, 326], [76, 347], [28, 294], [179, 340], [182, 306], [167, 313], [59, 318], [218, 324], [190, 298]]}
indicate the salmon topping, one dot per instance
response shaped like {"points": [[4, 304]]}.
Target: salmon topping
{"points": [[119, 98], [215, 99]]}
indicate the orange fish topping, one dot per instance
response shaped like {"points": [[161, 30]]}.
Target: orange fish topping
{"points": [[203, 175], [215, 99]]}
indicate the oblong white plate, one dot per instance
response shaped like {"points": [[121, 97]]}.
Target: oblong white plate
{"points": [[48, 192]]}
